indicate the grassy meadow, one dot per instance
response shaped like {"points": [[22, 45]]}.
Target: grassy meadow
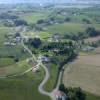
{"points": [[22, 88]]}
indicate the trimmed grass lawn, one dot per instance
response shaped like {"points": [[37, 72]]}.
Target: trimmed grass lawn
{"points": [[22, 88]]}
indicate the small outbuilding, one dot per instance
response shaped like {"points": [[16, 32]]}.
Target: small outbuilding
{"points": [[60, 95]]}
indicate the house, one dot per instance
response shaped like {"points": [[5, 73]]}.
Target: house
{"points": [[55, 38], [6, 43], [59, 95], [9, 44], [87, 48], [43, 59]]}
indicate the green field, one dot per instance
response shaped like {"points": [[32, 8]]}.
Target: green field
{"points": [[71, 28], [66, 27], [6, 62], [22, 88], [90, 96], [41, 34], [34, 17], [14, 69], [9, 54], [4, 31], [49, 86]]}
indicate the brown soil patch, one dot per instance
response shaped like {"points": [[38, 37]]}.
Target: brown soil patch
{"points": [[97, 50], [2, 72], [94, 39]]}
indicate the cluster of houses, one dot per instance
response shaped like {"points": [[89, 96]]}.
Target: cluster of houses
{"points": [[13, 39], [43, 59]]}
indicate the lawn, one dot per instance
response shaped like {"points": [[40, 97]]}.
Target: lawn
{"points": [[22, 88]]}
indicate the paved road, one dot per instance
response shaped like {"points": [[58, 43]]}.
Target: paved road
{"points": [[47, 74]]}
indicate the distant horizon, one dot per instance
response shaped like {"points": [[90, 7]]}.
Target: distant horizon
{"points": [[47, 1]]}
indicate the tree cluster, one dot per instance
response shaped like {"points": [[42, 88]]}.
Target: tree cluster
{"points": [[73, 93]]}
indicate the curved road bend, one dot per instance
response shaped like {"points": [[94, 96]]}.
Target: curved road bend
{"points": [[47, 74]]}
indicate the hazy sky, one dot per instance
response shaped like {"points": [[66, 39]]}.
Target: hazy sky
{"points": [[35, 1], [42, 1]]}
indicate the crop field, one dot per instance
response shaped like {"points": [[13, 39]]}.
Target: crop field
{"points": [[97, 50], [84, 72], [94, 39]]}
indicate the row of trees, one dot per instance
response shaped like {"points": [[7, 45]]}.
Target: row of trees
{"points": [[92, 32], [8, 16], [89, 32]]}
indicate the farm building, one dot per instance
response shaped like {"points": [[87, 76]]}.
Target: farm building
{"points": [[60, 95], [43, 59]]}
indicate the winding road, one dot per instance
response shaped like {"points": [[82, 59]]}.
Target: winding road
{"points": [[47, 74], [39, 63]]}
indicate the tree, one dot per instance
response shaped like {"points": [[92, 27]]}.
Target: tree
{"points": [[79, 94], [92, 32], [20, 22], [86, 21], [16, 59], [62, 88], [36, 42], [41, 21], [67, 19]]}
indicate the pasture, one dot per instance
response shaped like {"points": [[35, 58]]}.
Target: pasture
{"points": [[23, 87], [8, 55], [15, 69], [33, 17], [72, 28], [4, 31]]}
